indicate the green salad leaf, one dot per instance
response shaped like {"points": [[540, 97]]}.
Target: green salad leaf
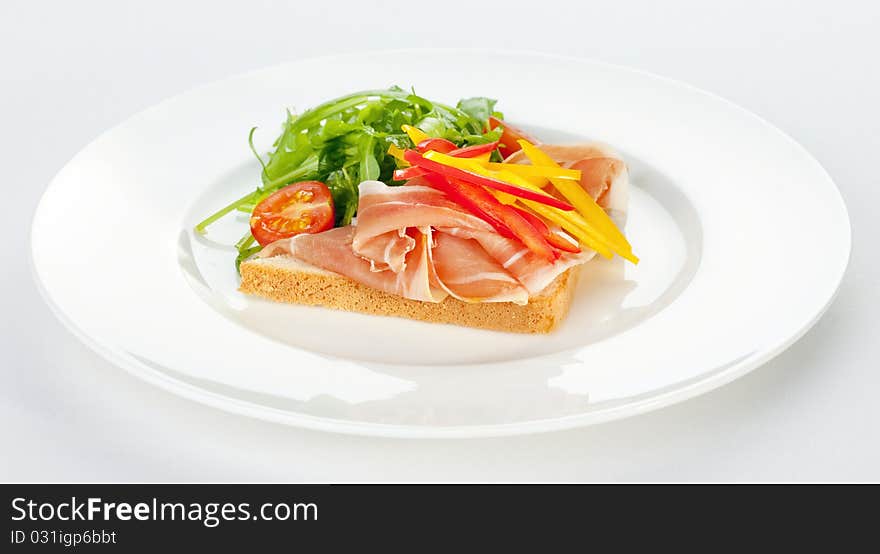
{"points": [[479, 108], [345, 141]]}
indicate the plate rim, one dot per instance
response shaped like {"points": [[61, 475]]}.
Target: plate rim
{"points": [[627, 408]]}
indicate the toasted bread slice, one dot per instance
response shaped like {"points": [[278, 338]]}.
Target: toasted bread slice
{"points": [[284, 279]]}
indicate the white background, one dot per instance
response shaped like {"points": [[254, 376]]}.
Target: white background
{"points": [[70, 70]]}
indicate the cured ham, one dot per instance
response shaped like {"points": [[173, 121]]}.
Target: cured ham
{"points": [[466, 271], [413, 241], [394, 248], [531, 271], [332, 250], [384, 213]]}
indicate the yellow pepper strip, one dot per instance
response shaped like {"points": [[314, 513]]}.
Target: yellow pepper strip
{"points": [[575, 230], [468, 164], [504, 197], [572, 227], [622, 247], [536, 181], [533, 170], [397, 153], [473, 165], [536, 170], [572, 222], [583, 202], [416, 135], [540, 182]]}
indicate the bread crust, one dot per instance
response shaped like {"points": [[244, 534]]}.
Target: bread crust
{"points": [[282, 280]]}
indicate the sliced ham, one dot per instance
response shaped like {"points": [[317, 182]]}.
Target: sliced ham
{"points": [[384, 213], [394, 248], [412, 241], [332, 250], [467, 272], [533, 272], [597, 176]]}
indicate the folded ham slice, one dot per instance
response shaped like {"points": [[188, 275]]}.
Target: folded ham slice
{"points": [[414, 242], [384, 214], [465, 271], [531, 271], [394, 248], [332, 250]]}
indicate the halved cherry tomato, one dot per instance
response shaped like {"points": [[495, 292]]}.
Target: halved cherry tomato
{"points": [[436, 144], [509, 137], [474, 150], [304, 207]]}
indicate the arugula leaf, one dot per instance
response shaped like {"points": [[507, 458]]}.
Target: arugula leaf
{"points": [[369, 167], [478, 107], [345, 195], [345, 141]]}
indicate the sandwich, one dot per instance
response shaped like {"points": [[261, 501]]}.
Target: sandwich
{"points": [[491, 234]]}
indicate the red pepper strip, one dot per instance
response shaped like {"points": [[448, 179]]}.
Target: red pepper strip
{"points": [[408, 173], [459, 195], [552, 238], [505, 219], [474, 150], [416, 159], [436, 144]]}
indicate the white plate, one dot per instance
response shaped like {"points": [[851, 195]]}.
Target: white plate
{"points": [[743, 239]]}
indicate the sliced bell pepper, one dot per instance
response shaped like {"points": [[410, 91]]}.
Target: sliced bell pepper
{"points": [[474, 150], [509, 137], [591, 211], [505, 198], [436, 144], [396, 152], [572, 226], [473, 165], [415, 134], [536, 170], [408, 173], [460, 196], [431, 163], [479, 152], [479, 166], [572, 222], [552, 238], [505, 219]]}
